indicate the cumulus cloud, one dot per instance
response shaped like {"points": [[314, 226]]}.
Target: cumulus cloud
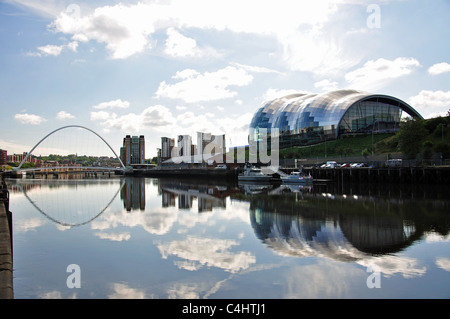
{"points": [[209, 86], [155, 117], [54, 50], [326, 85], [127, 29], [431, 103], [32, 119], [112, 104], [63, 115], [439, 68], [375, 74], [178, 45]]}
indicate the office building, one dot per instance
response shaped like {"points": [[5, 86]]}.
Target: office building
{"points": [[133, 150]]}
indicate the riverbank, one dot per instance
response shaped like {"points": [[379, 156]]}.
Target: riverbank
{"points": [[396, 175], [6, 259]]}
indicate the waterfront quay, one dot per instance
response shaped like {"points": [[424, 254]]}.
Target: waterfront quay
{"points": [[6, 264], [394, 175]]}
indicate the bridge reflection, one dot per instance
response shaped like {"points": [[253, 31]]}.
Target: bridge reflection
{"points": [[51, 198], [342, 223]]}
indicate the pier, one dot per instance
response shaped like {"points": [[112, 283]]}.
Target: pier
{"points": [[6, 248]]}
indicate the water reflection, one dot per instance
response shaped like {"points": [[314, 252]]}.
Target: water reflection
{"points": [[193, 238], [51, 198], [343, 227]]}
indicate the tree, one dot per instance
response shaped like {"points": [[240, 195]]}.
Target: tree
{"points": [[411, 136]]}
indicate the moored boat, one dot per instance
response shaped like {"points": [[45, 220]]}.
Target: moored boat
{"points": [[254, 174], [297, 177]]}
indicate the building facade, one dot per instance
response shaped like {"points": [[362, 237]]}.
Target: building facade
{"points": [[185, 145], [167, 145], [133, 150], [3, 157], [304, 119], [210, 144]]}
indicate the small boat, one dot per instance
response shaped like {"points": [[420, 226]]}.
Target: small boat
{"points": [[254, 174], [296, 177]]}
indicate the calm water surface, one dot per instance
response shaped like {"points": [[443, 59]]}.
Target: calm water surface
{"points": [[161, 238]]}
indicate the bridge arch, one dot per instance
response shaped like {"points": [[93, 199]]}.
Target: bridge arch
{"points": [[62, 128]]}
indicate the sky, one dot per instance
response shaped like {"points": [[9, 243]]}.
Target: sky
{"points": [[174, 67]]}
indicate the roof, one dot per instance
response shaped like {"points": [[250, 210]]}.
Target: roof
{"points": [[296, 111]]}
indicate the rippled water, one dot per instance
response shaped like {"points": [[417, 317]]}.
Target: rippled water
{"points": [[158, 238]]}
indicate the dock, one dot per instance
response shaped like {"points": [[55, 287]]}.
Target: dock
{"points": [[391, 175]]}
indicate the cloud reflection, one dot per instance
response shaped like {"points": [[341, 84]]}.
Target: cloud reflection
{"points": [[199, 252]]}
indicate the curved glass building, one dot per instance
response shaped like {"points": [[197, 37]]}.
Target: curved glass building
{"points": [[302, 119]]}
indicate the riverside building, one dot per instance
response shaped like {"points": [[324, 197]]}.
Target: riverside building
{"points": [[304, 119]]}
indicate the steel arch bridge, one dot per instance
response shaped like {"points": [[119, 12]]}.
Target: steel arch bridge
{"points": [[19, 168]]}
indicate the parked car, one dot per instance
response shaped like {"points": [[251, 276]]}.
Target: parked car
{"points": [[345, 165], [221, 166], [331, 164]]}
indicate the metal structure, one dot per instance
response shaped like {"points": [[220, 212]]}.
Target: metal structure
{"points": [[59, 129], [303, 119]]}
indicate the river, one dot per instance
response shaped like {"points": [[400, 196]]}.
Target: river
{"points": [[129, 237]]}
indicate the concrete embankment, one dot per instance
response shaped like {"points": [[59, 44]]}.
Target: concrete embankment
{"points": [[6, 257]]}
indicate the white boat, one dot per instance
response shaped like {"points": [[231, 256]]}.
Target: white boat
{"points": [[254, 174], [297, 177]]}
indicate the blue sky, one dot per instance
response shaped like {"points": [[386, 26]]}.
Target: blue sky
{"points": [[166, 68]]}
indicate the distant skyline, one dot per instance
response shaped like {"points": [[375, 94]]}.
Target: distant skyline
{"points": [[176, 67]]}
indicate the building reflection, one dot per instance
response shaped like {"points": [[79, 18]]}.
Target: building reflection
{"points": [[183, 194], [343, 227], [133, 194]]}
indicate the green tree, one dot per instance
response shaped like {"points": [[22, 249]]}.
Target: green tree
{"points": [[411, 136]]}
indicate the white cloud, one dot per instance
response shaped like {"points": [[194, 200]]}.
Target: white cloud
{"points": [[112, 104], [377, 73], [256, 69], [155, 117], [126, 29], [29, 119], [431, 103], [272, 93], [326, 85], [439, 68], [54, 50], [196, 87], [63, 115], [178, 45]]}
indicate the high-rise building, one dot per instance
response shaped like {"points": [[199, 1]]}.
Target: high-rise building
{"points": [[167, 145], [185, 145], [3, 157], [210, 144], [133, 150]]}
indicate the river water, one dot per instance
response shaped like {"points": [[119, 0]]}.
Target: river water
{"points": [[164, 238]]}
